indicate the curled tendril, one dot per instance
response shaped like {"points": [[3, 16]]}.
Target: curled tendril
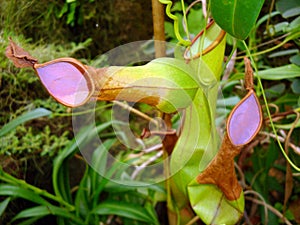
{"points": [[268, 110], [168, 4]]}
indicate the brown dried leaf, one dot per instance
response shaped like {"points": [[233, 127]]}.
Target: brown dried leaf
{"points": [[19, 56], [248, 74]]}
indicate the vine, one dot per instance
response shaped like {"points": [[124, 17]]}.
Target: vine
{"points": [[268, 110], [168, 4]]}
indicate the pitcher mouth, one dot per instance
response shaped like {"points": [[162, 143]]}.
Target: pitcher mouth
{"points": [[67, 80], [216, 40]]}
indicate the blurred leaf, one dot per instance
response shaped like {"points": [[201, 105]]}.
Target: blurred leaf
{"points": [[279, 73], [29, 221], [284, 53], [287, 126], [196, 21], [36, 113], [3, 205], [287, 99], [296, 86], [295, 59], [275, 90], [277, 28], [295, 24], [230, 101], [288, 8], [125, 209], [270, 158], [236, 17]]}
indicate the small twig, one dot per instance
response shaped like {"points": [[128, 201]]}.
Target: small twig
{"points": [[242, 180], [261, 45], [292, 129], [137, 112], [230, 66], [271, 208], [146, 163], [153, 148], [204, 11], [281, 139], [263, 202], [193, 220]]}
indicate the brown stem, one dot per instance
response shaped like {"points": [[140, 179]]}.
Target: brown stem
{"points": [[158, 28]]}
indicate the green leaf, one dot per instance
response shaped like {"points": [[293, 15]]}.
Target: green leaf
{"points": [[279, 73], [36, 113], [284, 53], [41, 211], [275, 90], [288, 8], [125, 209], [29, 221], [99, 161], [296, 86], [15, 191], [3, 205], [295, 59], [287, 126], [237, 17], [287, 99]]}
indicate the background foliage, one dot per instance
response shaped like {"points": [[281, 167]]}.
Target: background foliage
{"points": [[85, 29]]}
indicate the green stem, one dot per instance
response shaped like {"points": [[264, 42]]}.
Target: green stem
{"points": [[268, 110], [12, 180], [184, 19], [287, 39]]}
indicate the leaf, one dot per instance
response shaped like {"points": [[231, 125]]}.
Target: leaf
{"points": [[288, 8], [125, 209], [29, 221], [284, 53], [275, 90], [3, 205], [287, 99], [295, 59], [99, 161], [279, 73], [296, 86], [19, 56], [36, 113], [41, 211], [287, 126], [15, 191], [237, 17], [60, 174]]}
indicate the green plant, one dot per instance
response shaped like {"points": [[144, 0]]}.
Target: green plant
{"points": [[95, 199], [262, 170]]}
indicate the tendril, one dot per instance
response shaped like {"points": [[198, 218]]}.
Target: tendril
{"points": [[168, 4], [268, 110]]}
